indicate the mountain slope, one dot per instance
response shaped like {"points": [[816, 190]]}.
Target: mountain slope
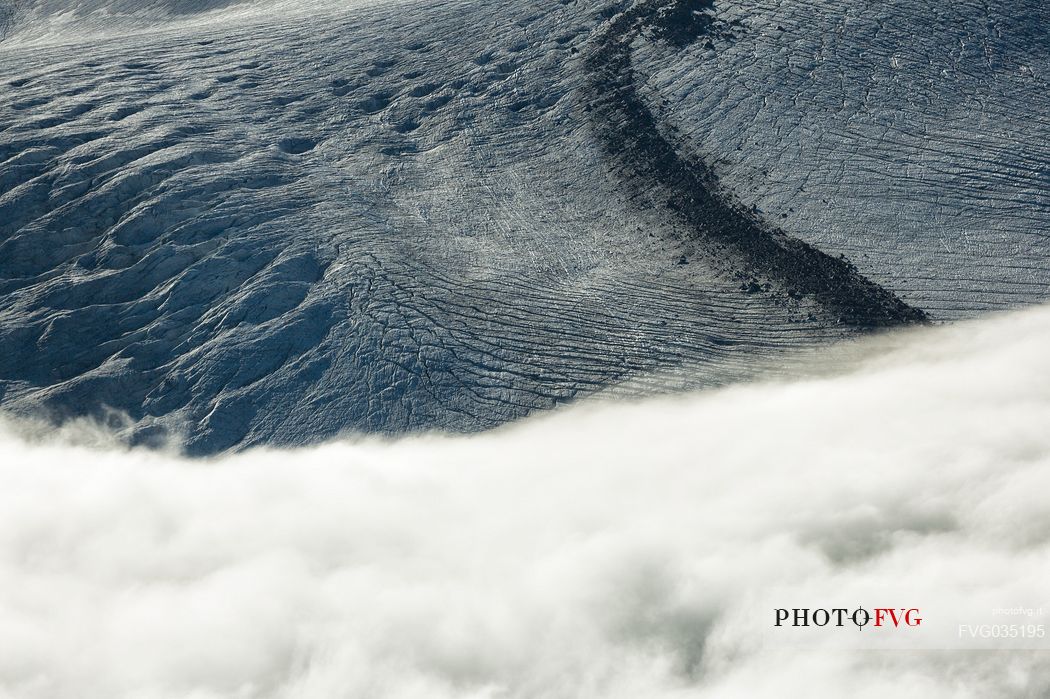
{"points": [[271, 226]]}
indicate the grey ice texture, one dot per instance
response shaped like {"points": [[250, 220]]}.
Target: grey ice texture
{"points": [[911, 135], [271, 223]]}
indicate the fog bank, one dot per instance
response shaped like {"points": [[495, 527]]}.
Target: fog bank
{"points": [[623, 550]]}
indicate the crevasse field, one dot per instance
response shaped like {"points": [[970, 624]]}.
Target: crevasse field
{"points": [[271, 223], [287, 290]]}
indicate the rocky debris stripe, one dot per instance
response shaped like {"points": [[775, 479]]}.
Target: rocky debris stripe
{"points": [[649, 163]]}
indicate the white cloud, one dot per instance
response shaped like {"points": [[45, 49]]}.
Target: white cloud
{"points": [[610, 550]]}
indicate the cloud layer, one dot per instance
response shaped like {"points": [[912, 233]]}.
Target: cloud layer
{"points": [[610, 550]]}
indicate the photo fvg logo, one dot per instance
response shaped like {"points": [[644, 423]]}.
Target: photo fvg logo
{"points": [[881, 617]]}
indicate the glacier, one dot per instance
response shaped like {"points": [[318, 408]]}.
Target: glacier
{"points": [[248, 223]]}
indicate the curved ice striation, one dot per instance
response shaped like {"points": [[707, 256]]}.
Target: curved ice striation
{"points": [[25, 21], [912, 136], [259, 224]]}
